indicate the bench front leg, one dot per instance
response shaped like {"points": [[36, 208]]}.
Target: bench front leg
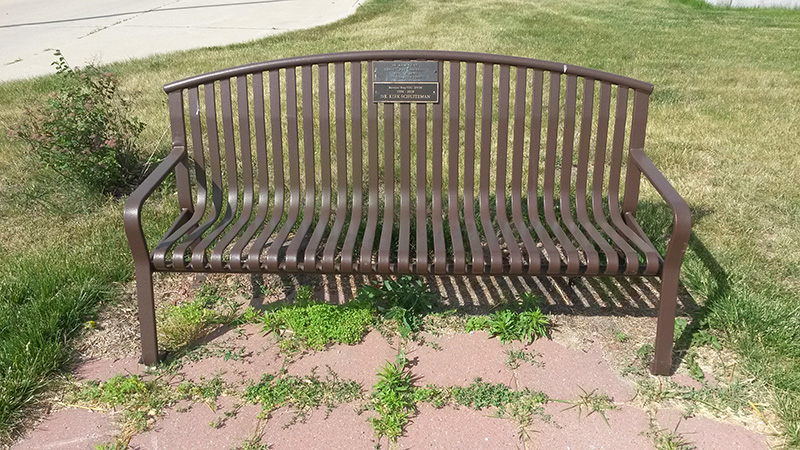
{"points": [[141, 255], [670, 272], [147, 314]]}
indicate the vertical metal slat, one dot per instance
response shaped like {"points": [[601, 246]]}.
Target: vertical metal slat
{"points": [[495, 254], [456, 238], [356, 155], [512, 246], [271, 259], [237, 261], [470, 99], [567, 149], [534, 256]]}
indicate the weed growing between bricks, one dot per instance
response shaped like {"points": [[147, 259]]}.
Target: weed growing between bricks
{"points": [[395, 398], [140, 400], [302, 394]]}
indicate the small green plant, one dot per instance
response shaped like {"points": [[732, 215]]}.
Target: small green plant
{"points": [[303, 393], [620, 336], [664, 439], [207, 391], [593, 403], [140, 401], [180, 325], [515, 358], [509, 325], [703, 337], [436, 396], [304, 295], [110, 446], [269, 287], [695, 371], [478, 323], [480, 395], [504, 325], [532, 324], [519, 406], [114, 392], [638, 365], [315, 325], [719, 400], [529, 300], [404, 301], [85, 132], [250, 315], [393, 399], [680, 326], [254, 441], [644, 355]]}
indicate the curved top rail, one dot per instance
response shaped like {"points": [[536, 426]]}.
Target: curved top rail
{"points": [[378, 55]]}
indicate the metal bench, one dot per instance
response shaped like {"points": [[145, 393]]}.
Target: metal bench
{"points": [[421, 162]]}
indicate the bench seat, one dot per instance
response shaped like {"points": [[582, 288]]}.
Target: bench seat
{"points": [[293, 253]]}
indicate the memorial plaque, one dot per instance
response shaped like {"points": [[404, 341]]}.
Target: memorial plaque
{"points": [[406, 93], [405, 82]]}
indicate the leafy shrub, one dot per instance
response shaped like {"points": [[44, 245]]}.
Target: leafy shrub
{"points": [[84, 132]]}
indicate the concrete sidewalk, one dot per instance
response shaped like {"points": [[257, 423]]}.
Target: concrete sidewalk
{"points": [[114, 30]]}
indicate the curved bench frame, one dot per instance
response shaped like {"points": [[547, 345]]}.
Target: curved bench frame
{"points": [[277, 222]]}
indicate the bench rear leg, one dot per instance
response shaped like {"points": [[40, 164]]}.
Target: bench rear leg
{"points": [[668, 299], [147, 314]]}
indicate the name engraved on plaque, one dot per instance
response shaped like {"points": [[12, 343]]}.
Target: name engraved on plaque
{"points": [[405, 82]]}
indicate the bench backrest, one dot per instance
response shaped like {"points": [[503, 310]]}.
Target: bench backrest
{"points": [[302, 139]]}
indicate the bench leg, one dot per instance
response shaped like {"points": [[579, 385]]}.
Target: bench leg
{"points": [[147, 314], [668, 299]]}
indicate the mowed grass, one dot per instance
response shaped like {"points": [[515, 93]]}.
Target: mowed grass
{"points": [[723, 127]]}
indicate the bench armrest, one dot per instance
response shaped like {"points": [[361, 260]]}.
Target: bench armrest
{"points": [[132, 213], [681, 216]]}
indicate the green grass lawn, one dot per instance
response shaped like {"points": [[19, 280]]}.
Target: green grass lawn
{"points": [[723, 126]]}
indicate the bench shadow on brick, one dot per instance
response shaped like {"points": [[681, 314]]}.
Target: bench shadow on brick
{"points": [[580, 296], [419, 162]]}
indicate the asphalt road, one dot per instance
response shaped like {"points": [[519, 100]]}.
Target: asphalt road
{"points": [[105, 31]]}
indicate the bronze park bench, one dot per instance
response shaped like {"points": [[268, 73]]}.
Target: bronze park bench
{"points": [[409, 162]]}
